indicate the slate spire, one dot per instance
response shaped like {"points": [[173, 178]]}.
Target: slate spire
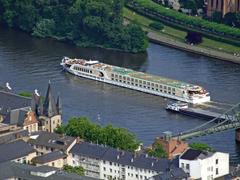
{"points": [[49, 105], [59, 104], [35, 102]]}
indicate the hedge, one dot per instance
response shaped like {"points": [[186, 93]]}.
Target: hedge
{"points": [[190, 21]]}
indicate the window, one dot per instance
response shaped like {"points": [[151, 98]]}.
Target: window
{"points": [[216, 171], [182, 165], [216, 161], [187, 166], [110, 170], [53, 164], [104, 168]]}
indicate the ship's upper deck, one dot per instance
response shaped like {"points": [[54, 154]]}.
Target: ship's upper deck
{"points": [[152, 78], [134, 74]]}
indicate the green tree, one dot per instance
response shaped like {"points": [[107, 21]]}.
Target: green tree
{"points": [[201, 147], [77, 170], [217, 16], [230, 19], [156, 25], [189, 4], [44, 28], [81, 22], [157, 151], [136, 40], [115, 137], [237, 23]]}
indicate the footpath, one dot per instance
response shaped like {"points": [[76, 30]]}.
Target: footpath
{"points": [[158, 39]]}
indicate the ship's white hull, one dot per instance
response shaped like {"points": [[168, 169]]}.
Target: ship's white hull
{"points": [[149, 91]]}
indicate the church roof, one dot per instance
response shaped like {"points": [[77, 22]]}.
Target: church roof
{"points": [[49, 105]]}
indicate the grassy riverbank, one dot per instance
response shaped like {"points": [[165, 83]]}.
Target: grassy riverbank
{"points": [[178, 35]]}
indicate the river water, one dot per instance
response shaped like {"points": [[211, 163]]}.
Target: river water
{"points": [[28, 63]]}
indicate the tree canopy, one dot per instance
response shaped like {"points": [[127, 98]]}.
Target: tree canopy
{"points": [[115, 137], [157, 151], [82, 22], [193, 37], [201, 147], [77, 170]]}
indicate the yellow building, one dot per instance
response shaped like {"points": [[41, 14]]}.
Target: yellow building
{"points": [[17, 151], [223, 6]]}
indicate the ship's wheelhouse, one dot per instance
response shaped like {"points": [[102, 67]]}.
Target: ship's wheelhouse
{"points": [[197, 91]]}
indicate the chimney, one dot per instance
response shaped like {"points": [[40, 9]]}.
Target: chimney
{"points": [[135, 154], [132, 160], [152, 164], [146, 155], [167, 135], [118, 157]]}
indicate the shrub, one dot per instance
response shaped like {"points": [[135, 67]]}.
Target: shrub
{"points": [[194, 37], [156, 25]]}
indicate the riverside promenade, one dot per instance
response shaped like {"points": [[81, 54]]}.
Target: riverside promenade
{"points": [[158, 39]]}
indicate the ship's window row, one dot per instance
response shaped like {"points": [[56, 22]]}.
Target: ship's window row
{"points": [[83, 69], [143, 84]]}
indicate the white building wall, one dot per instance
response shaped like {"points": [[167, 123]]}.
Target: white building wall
{"points": [[223, 163], [194, 169], [207, 169], [90, 165], [127, 172], [110, 170]]}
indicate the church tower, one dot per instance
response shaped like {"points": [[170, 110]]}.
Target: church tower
{"points": [[48, 113]]}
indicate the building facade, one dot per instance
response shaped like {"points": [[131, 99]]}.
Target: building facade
{"points": [[54, 159], [17, 151], [52, 149], [24, 118], [104, 162], [204, 165], [48, 112], [223, 6]]}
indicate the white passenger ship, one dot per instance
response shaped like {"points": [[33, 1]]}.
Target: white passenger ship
{"points": [[131, 79]]}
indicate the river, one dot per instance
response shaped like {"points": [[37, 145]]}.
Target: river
{"points": [[28, 63]]}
